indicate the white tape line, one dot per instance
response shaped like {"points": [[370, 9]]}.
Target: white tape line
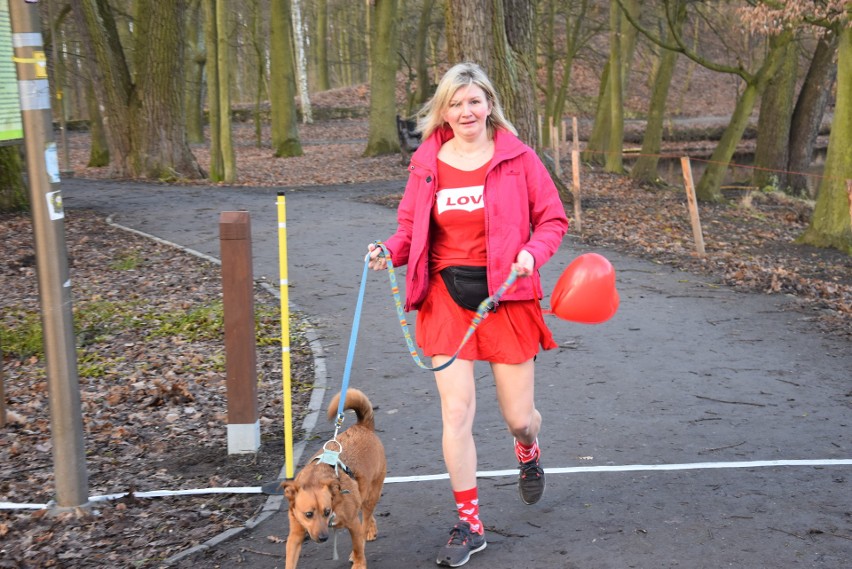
{"points": [[482, 474], [634, 468]]}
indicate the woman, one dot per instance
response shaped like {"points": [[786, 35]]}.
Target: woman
{"points": [[477, 197]]}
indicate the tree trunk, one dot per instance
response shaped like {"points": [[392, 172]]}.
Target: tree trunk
{"points": [[383, 138], [323, 83], [513, 59], [599, 141], [195, 62], [830, 223], [258, 43], [111, 80], [614, 161], [807, 116], [645, 169], [574, 42], [229, 167], [550, 57], [301, 64], [773, 125], [709, 187], [216, 167], [282, 83], [13, 192], [468, 25], [98, 143], [144, 120], [423, 89]]}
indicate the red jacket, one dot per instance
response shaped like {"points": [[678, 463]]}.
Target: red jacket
{"points": [[522, 211]]}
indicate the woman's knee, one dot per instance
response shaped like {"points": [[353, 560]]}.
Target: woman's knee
{"points": [[524, 425], [458, 416]]}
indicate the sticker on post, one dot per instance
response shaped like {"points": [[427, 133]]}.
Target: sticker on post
{"points": [[54, 205], [51, 162]]}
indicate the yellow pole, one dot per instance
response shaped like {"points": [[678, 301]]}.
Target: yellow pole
{"points": [[285, 337]]}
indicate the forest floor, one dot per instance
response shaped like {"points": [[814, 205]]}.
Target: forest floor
{"points": [[146, 312]]}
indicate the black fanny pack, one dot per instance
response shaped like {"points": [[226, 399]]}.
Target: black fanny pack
{"points": [[467, 285]]}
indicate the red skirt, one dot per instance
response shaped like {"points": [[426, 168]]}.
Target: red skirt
{"points": [[511, 335]]}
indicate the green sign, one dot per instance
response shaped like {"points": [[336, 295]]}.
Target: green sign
{"points": [[10, 103]]}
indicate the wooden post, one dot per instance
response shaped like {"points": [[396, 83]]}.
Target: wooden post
{"points": [[575, 173], [554, 142], [240, 343], [693, 205]]}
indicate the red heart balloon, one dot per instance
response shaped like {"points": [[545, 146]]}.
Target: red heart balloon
{"points": [[585, 292]]}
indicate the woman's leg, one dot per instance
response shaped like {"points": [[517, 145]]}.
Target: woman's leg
{"points": [[458, 407], [515, 385], [516, 395]]}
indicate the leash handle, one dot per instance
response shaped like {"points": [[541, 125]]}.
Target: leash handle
{"points": [[481, 313]]}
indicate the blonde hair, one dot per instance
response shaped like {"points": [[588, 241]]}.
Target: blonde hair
{"points": [[430, 118]]}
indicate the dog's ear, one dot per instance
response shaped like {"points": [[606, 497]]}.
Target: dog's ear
{"points": [[290, 490], [333, 485]]}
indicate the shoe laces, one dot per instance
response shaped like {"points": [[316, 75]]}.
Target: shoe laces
{"points": [[459, 535], [531, 469]]}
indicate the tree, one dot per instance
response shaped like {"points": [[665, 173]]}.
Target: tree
{"points": [[613, 159], [222, 160], [809, 110], [195, 61], [143, 114], [13, 191], [499, 36], [382, 138], [709, 187], [606, 137], [321, 41], [576, 23], [282, 82], [301, 63], [424, 87], [830, 223], [645, 168], [773, 124]]}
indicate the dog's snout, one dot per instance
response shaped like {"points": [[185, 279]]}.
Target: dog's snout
{"points": [[322, 537]]}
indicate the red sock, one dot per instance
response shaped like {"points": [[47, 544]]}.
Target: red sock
{"points": [[527, 453], [467, 501]]}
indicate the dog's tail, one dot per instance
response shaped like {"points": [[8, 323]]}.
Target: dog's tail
{"points": [[358, 402]]}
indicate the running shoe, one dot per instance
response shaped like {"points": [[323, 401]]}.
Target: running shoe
{"points": [[531, 482], [462, 543]]}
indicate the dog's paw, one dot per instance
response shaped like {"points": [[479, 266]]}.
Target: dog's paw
{"points": [[372, 531]]}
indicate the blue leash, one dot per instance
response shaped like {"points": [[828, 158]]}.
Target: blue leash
{"points": [[353, 338]]}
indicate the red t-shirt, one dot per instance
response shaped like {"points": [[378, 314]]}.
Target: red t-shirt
{"points": [[458, 218]]}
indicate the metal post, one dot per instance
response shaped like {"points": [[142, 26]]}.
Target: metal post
{"points": [[286, 379], [240, 342], [66, 422]]}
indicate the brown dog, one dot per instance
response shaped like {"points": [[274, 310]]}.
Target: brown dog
{"points": [[324, 497]]}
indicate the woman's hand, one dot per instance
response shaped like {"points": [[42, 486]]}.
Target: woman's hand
{"points": [[377, 262], [524, 263]]}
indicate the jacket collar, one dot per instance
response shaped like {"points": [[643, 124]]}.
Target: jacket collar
{"points": [[506, 147]]}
